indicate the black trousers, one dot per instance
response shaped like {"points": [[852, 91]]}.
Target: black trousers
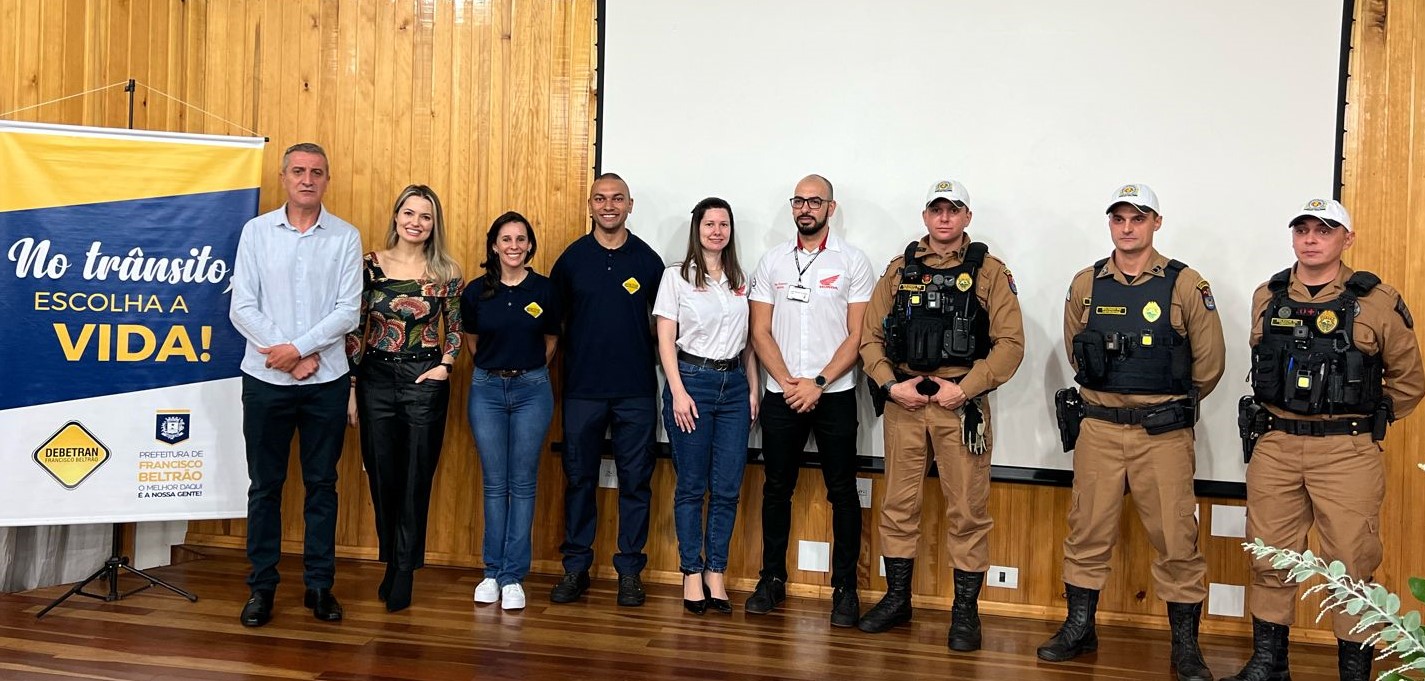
{"points": [[632, 420], [402, 431], [784, 438], [270, 416]]}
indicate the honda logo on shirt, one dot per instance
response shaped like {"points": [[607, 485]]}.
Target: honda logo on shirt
{"points": [[830, 282]]}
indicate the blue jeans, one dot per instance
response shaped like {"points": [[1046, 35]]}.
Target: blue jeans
{"points": [[509, 417], [710, 461]]}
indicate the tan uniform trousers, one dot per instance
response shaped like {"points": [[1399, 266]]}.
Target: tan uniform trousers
{"points": [[1337, 481], [911, 436], [1158, 470]]}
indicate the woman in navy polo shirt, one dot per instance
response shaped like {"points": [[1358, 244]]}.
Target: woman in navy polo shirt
{"points": [[401, 356], [512, 319], [709, 399]]}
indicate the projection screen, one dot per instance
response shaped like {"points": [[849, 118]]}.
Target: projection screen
{"points": [[1040, 108]]}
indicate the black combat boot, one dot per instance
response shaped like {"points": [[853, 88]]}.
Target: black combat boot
{"points": [[965, 613], [894, 608], [1077, 636], [1187, 658], [1268, 662], [1353, 661]]}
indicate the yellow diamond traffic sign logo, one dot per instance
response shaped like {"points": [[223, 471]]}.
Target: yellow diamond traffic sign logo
{"points": [[71, 454]]}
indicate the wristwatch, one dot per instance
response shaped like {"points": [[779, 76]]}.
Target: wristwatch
{"points": [[821, 381], [886, 387]]}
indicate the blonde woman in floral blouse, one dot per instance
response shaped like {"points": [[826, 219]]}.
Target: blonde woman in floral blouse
{"points": [[401, 358]]}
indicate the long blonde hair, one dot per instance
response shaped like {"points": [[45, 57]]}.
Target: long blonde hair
{"points": [[440, 266]]}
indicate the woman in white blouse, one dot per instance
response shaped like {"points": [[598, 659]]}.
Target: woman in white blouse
{"points": [[709, 399]]}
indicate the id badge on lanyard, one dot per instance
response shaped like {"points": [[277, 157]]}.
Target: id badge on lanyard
{"points": [[797, 291]]}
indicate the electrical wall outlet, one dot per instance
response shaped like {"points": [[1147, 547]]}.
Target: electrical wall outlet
{"points": [[1002, 577], [863, 491], [814, 556], [1228, 600]]}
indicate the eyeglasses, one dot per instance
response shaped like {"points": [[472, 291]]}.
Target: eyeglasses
{"points": [[814, 203]]}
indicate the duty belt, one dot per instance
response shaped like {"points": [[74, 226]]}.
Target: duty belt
{"points": [[1350, 426], [1129, 416]]}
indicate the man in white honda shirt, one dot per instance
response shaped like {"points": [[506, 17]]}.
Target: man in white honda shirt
{"points": [[807, 302]]}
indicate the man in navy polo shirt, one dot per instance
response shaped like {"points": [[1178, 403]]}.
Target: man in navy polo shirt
{"points": [[608, 280]]}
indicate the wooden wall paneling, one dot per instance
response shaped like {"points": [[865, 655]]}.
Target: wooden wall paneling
{"points": [[492, 103]]}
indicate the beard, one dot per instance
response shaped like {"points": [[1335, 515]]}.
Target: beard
{"points": [[813, 228]]}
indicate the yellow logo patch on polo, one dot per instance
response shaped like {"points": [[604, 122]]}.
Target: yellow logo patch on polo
{"points": [[534, 310], [1152, 311], [1327, 321], [1107, 309], [631, 285], [964, 282]]}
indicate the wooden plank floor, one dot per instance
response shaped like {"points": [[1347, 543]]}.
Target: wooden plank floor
{"points": [[444, 635]]}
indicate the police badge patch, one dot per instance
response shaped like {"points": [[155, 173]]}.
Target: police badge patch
{"points": [[1151, 311], [1205, 290], [1326, 322], [171, 426], [1012, 288]]}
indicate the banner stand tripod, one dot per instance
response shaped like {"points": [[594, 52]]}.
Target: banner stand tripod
{"points": [[115, 565]]}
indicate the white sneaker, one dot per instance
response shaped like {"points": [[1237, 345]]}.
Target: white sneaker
{"points": [[488, 591], [512, 597]]}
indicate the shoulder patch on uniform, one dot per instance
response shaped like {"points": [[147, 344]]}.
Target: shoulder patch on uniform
{"points": [[1404, 312], [1010, 276], [1205, 290]]}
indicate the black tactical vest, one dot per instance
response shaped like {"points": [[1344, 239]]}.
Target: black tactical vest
{"points": [[1129, 345], [1307, 361], [936, 319]]}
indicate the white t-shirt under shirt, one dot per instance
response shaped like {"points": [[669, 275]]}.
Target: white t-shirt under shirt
{"points": [[808, 333], [712, 321]]}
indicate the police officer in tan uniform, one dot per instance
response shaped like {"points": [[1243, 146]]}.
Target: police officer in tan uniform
{"points": [[1334, 361], [942, 330], [1143, 334]]}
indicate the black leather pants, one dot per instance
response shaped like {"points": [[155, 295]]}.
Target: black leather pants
{"points": [[402, 430]]}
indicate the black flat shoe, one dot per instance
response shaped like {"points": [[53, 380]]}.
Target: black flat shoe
{"points": [[695, 607], [258, 609]]}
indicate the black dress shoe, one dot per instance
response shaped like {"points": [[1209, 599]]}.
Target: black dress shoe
{"points": [[258, 609], [721, 605], [696, 607], [571, 587], [630, 591], [401, 586], [323, 604]]}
